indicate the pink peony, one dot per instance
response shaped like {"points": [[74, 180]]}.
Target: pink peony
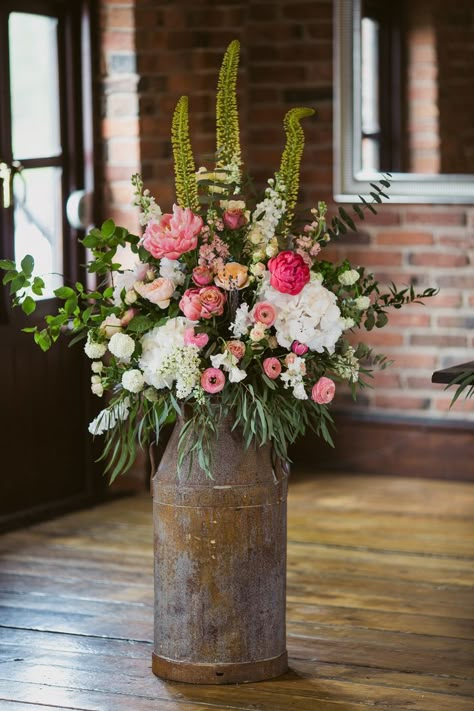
{"points": [[237, 348], [159, 291], [323, 391], [202, 276], [202, 303], [190, 304], [264, 312], [212, 380], [172, 235], [299, 348], [272, 367], [195, 339], [289, 273]]}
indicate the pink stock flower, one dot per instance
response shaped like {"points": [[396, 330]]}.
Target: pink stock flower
{"points": [[195, 339], [233, 219], [202, 276], [289, 273], [264, 312], [237, 348], [202, 303], [159, 291], [173, 234], [212, 380], [299, 348], [272, 367], [323, 391]]}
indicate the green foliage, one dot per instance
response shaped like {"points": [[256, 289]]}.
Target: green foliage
{"points": [[184, 168], [464, 383], [227, 115], [289, 173], [343, 222]]}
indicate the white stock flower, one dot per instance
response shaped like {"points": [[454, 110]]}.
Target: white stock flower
{"points": [[228, 362], [299, 392], [94, 350], [349, 277], [242, 321], [122, 346], [133, 380], [108, 418], [362, 303]]}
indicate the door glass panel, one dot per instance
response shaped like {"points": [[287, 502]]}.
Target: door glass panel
{"points": [[38, 223], [34, 85]]}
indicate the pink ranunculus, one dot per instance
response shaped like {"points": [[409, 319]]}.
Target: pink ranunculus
{"points": [[299, 348], [289, 273], [195, 339], [159, 291], [272, 367], [128, 316], [202, 276], [264, 312], [237, 348], [212, 380], [173, 234], [323, 391], [190, 304], [212, 301], [233, 219]]}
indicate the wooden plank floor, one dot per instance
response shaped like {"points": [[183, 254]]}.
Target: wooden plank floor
{"points": [[379, 606]]}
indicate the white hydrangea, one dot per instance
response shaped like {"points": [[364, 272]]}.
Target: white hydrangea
{"points": [[133, 380], [242, 321], [362, 303], [108, 418], [228, 362], [94, 350], [171, 269], [311, 317], [122, 346], [349, 277], [165, 357]]}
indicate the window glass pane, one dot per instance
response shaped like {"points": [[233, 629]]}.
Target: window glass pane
{"points": [[34, 85], [38, 223], [370, 93]]}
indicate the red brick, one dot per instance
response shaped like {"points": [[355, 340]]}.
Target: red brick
{"points": [[404, 318], [465, 241], [118, 39], [385, 379], [401, 402], [126, 151], [374, 258], [120, 17], [433, 217], [405, 237], [419, 382], [123, 128], [436, 259], [446, 300], [383, 337], [466, 321], [442, 341], [413, 359]]}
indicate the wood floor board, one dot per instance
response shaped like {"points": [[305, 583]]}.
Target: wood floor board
{"points": [[380, 577]]}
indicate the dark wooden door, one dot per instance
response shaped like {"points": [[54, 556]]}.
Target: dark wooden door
{"points": [[45, 456]]}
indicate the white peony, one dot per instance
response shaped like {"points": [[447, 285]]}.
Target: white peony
{"points": [[122, 346], [133, 380], [349, 277], [311, 317], [94, 350]]}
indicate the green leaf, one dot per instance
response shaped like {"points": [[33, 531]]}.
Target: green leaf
{"points": [[43, 340], [17, 283], [37, 286], [7, 264], [28, 264], [382, 320], [28, 305], [10, 276], [64, 292], [108, 228]]}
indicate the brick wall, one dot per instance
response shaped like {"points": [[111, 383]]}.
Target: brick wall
{"points": [[161, 50]]}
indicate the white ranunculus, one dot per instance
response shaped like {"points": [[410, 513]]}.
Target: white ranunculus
{"points": [[122, 346], [133, 380], [362, 303], [94, 350], [349, 277]]}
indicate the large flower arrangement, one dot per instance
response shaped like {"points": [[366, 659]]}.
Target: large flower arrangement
{"points": [[230, 308]]}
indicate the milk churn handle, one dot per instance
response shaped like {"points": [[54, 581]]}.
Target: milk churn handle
{"points": [[284, 466]]}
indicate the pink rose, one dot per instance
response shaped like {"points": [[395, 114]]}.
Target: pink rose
{"points": [[272, 367], [299, 348], [195, 339], [212, 380], [323, 391], [159, 291], [233, 219], [127, 316], [212, 301], [264, 312], [190, 304], [172, 235], [202, 276], [237, 348], [289, 273]]}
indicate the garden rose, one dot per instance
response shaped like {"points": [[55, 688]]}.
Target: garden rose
{"points": [[195, 339], [174, 234], [299, 348], [110, 325], [232, 276], [212, 301], [159, 291], [202, 276], [264, 312], [289, 273], [237, 348], [272, 367], [212, 380], [190, 304], [323, 391]]}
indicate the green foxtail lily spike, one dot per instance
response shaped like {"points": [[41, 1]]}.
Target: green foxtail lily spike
{"points": [[184, 168], [227, 116], [290, 162]]}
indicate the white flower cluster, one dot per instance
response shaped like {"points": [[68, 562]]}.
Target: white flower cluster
{"points": [[172, 269], [362, 303], [268, 213], [122, 347], [133, 380], [242, 321], [94, 350], [293, 377], [312, 317], [124, 281], [150, 210], [165, 357], [347, 365], [228, 362], [108, 418], [349, 277]]}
